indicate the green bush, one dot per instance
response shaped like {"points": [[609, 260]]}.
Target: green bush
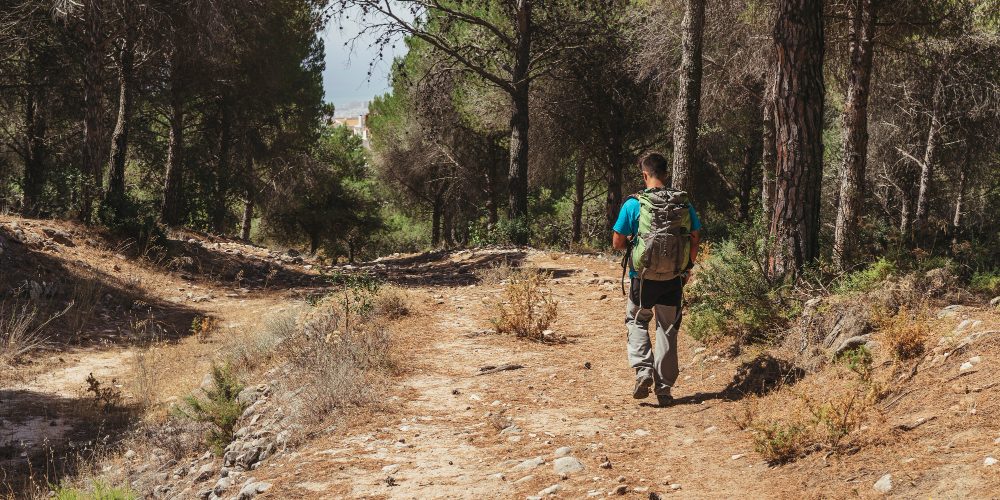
{"points": [[866, 279], [731, 295], [986, 282], [97, 491], [220, 407]]}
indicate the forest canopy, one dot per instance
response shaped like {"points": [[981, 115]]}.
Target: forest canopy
{"points": [[832, 130]]}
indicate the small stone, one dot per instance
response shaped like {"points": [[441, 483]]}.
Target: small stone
{"points": [[641, 432], [737, 456], [529, 464], [988, 461], [606, 464], [965, 367], [564, 451], [675, 486], [995, 301], [884, 484], [551, 490], [975, 360], [499, 476], [587, 365], [621, 479], [390, 469], [621, 489], [525, 479], [711, 429], [567, 465], [129, 455], [204, 473]]}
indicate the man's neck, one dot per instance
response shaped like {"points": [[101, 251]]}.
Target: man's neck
{"points": [[655, 185]]}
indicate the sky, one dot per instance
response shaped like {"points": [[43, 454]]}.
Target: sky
{"points": [[345, 80]]}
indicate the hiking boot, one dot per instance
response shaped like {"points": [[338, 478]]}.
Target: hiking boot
{"points": [[664, 400], [642, 387]]}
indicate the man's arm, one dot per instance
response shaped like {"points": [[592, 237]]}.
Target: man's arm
{"points": [[618, 240]]}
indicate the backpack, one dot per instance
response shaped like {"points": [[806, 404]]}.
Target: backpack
{"points": [[661, 250]]}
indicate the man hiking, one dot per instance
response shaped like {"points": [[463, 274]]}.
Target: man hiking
{"points": [[658, 228]]}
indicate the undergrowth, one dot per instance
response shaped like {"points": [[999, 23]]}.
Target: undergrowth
{"points": [[220, 407], [526, 308]]}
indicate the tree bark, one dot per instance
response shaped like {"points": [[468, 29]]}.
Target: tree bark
{"points": [[767, 159], [751, 156], [689, 93], [220, 205], [518, 174], [615, 198], [247, 222], [799, 96], [579, 186], [956, 220], [852, 172], [930, 158], [92, 127], [436, 220], [35, 129], [115, 193], [173, 198], [492, 195]]}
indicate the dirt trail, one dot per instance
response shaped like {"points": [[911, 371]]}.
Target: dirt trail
{"points": [[450, 437]]}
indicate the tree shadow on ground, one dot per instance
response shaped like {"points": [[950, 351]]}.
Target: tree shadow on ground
{"points": [[90, 307], [757, 377], [45, 437]]}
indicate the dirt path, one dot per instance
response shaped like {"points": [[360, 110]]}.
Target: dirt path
{"points": [[460, 435]]}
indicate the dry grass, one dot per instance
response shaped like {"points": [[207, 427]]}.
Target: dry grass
{"points": [[527, 307], [390, 302], [828, 412], [496, 274], [20, 332], [904, 334]]}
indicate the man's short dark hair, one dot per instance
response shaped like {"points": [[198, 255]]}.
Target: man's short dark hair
{"points": [[654, 164]]}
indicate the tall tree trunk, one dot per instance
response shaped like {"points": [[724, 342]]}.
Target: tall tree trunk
{"points": [[578, 199], [767, 159], [798, 113], [518, 174], [436, 210], [92, 129], [614, 198], [220, 204], [115, 193], [930, 159], [852, 172], [956, 220], [905, 212], [492, 195], [689, 93], [35, 129], [173, 184], [247, 222], [751, 156]]}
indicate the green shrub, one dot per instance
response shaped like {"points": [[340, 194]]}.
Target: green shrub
{"points": [[220, 407], [97, 491], [866, 279], [859, 360], [986, 282], [731, 295]]}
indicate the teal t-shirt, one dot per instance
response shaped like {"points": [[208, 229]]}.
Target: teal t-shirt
{"points": [[628, 222]]}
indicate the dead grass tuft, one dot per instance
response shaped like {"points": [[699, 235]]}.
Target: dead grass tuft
{"points": [[527, 307], [496, 274], [905, 333], [827, 412], [390, 302], [20, 333]]}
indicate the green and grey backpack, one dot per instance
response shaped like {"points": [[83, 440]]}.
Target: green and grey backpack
{"points": [[662, 248]]}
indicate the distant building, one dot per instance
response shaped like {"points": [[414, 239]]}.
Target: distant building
{"points": [[357, 124]]}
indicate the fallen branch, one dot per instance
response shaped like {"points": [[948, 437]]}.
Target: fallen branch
{"points": [[488, 369], [960, 375], [894, 401], [914, 425]]}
